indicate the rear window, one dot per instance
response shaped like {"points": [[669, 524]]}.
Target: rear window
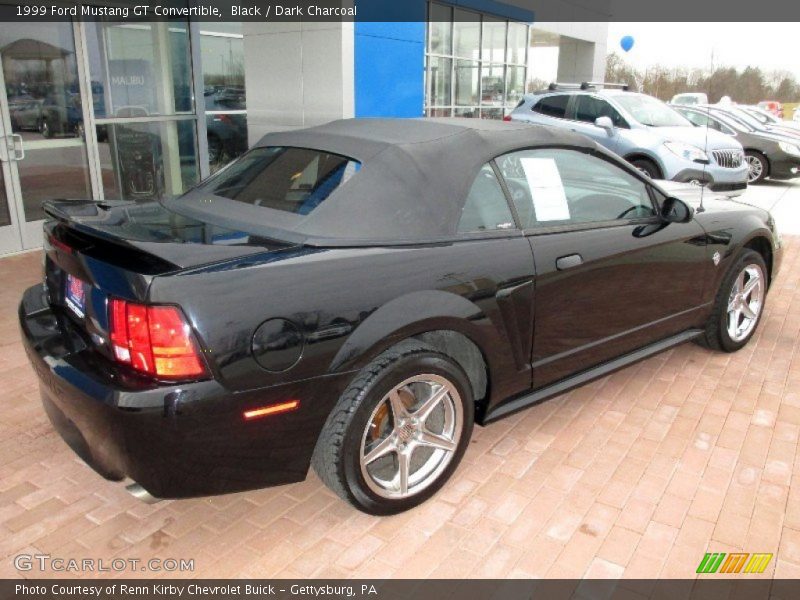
{"points": [[293, 180], [553, 106]]}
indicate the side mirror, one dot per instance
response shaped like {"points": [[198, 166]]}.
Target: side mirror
{"points": [[605, 123], [674, 210]]}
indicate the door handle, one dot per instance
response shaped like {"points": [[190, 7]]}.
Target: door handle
{"points": [[18, 154], [568, 262]]}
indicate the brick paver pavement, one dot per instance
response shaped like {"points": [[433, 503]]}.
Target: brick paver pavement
{"points": [[635, 475]]}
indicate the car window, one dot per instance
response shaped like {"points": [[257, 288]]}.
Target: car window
{"points": [[555, 186], [486, 207], [588, 108], [650, 111], [553, 106], [703, 120], [294, 180]]}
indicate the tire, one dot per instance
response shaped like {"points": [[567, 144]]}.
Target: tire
{"points": [[364, 423], [648, 167], [718, 332], [758, 166]]}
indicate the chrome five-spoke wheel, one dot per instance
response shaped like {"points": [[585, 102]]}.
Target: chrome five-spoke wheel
{"points": [[745, 302], [411, 436]]}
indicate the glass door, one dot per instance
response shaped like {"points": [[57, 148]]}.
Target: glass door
{"points": [[10, 240], [43, 109]]}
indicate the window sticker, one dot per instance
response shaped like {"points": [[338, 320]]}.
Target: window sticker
{"points": [[547, 191]]}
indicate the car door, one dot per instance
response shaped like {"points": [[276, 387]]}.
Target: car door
{"points": [[611, 276], [584, 111]]}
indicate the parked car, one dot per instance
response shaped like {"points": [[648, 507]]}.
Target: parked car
{"points": [[651, 135], [689, 98], [773, 106], [25, 112], [767, 154], [769, 120], [282, 314]]}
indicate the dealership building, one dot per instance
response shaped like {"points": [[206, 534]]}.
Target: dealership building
{"points": [[142, 110]]}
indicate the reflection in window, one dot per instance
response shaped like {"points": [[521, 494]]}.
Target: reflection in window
{"points": [[476, 64], [139, 69], [147, 161], [222, 56]]}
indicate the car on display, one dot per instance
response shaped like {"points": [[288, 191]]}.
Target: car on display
{"points": [[648, 133], [767, 154], [689, 98], [355, 296], [773, 106]]}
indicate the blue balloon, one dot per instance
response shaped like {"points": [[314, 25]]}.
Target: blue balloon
{"points": [[626, 43]]}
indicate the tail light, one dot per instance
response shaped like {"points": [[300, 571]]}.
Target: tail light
{"points": [[155, 340]]}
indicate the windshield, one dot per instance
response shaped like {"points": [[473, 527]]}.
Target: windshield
{"points": [[292, 180], [650, 111]]}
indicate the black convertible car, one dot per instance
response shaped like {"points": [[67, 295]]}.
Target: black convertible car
{"points": [[355, 296]]}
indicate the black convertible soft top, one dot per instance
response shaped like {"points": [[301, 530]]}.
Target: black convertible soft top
{"points": [[415, 176]]}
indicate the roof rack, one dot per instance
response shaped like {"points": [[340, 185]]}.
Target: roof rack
{"points": [[586, 85]]}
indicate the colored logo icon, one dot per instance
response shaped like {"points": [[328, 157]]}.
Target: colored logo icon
{"points": [[735, 562]]}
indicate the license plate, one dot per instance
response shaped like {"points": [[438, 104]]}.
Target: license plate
{"points": [[75, 296]]}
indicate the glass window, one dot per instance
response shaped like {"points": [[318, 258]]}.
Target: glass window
{"points": [[476, 64], [440, 27], [650, 111], [515, 85], [565, 187], [486, 207], [294, 180], [466, 34], [492, 85], [494, 40], [141, 69], [467, 80], [147, 161], [589, 108], [439, 81], [222, 56], [517, 43], [553, 106]]}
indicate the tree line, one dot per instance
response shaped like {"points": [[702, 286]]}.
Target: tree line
{"points": [[747, 86]]}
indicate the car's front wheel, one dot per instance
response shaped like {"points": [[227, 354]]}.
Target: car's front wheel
{"points": [[399, 430], [757, 167], [648, 167], [739, 304]]}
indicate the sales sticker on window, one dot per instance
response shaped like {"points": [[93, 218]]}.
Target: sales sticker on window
{"points": [[547, 190]]}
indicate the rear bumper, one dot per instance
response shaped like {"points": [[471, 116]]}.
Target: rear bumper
{"points": [[783, 166], [176, 441]]}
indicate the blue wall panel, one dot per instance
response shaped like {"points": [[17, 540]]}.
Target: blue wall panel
{"points": [[390, 59]]}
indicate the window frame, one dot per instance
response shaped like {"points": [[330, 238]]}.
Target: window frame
{"points": [[545, 230], [484, 64]]}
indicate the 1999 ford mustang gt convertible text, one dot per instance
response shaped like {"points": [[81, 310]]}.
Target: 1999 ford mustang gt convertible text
{"points": [[355, 296]]}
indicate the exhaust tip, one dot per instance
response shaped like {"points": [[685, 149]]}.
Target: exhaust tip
{"points": [[138, 492]]}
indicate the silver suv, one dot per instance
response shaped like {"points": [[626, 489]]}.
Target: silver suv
{"points": [[653, 137]]}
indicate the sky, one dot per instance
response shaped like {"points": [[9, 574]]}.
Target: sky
{"points": [[771, 46]]}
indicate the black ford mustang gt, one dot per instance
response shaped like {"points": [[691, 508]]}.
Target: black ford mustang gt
{"points": [[355, 296]]}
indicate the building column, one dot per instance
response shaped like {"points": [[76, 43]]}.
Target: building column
{"points": [[297, 75]]}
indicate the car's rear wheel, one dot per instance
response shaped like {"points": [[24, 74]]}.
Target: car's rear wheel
{"points": [[648, 167], [757, 166], [739, 304], [399, 430]]}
